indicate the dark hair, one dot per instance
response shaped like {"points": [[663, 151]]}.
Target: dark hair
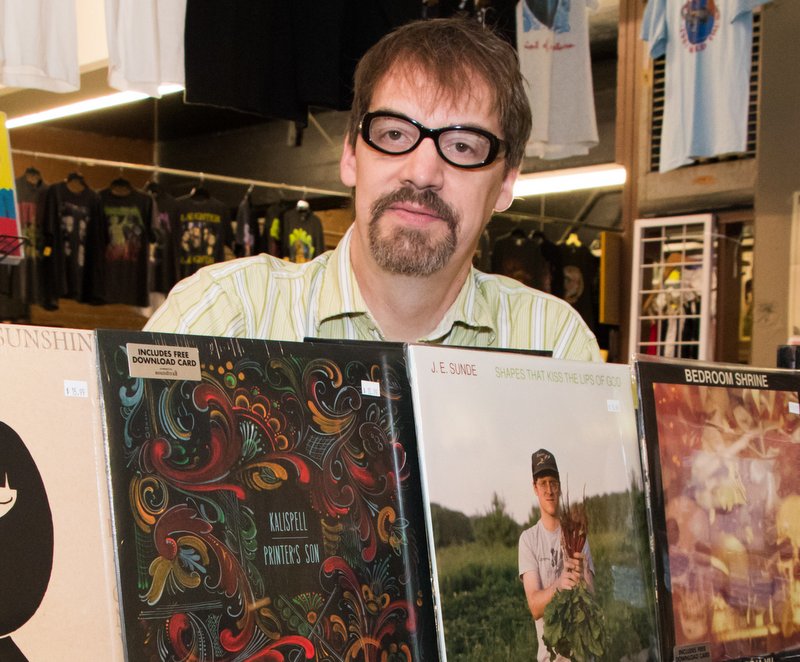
{"points": [[450, 50]]}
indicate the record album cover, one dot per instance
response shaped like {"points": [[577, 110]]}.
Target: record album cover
{"points": [[58, 592], [482, 419], [267, 500], [722, 444]]}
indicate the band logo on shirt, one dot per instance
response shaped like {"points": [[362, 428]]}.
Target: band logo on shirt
{"points": [[700, 24]]}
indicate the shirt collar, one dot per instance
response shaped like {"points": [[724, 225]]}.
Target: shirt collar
{"points": [[470, 309], [339, 293]]}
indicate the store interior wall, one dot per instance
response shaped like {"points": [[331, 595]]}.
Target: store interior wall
{"points": [[778, 177]]}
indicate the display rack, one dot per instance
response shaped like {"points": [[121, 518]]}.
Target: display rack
{"points": [[9, 245], [192, 174], [671, 302]]}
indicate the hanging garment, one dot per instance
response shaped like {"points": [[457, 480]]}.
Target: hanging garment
{"points": [[549, 271], [164, 260], [275, 58], [302, 238], [39, 45], [246, 228], [126, 228], [708, 54], [203, 229], [145, 44], [69, 227], [516, 256], [553, 45], [581, 287]]}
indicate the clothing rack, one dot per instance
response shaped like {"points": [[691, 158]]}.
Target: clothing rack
{"points": [[538, 218], [191, 174]]}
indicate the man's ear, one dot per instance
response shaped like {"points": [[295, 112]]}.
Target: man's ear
{"points": [[347, 164], [506, 195]]}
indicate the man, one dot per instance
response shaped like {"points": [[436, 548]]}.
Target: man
{"points": [[542, 567], [435, 138]]}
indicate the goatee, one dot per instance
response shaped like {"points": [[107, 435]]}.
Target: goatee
{"points": [[412, 251]]}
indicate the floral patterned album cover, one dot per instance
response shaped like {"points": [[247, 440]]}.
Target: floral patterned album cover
{"points": [[482, 416], [267, 500], [723, 450]]}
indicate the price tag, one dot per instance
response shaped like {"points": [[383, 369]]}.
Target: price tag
{"points": [[794, 407], [613, 405], [74, 388], [370, 388]]}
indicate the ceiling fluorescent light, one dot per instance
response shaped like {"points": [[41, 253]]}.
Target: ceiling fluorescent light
{"points": [[85, 106], [569, 179]]}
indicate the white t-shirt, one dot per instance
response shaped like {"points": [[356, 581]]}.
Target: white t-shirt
{"points": [[708, 48], [553, 45], [39, 45], [145, 44], [540, 551]]}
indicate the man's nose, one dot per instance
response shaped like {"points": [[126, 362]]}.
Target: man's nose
{"points": [[423, 167]]}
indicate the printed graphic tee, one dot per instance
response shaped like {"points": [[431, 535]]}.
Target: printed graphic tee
{"points": [[708, 45], [70, 223], [302, 236], [553, 45], [203, 227], [126, 229]]}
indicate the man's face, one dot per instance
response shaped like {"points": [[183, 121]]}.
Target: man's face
{"points": [[415, 213], [548, 491]]}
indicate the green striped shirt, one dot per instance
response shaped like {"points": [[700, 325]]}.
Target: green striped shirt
{"points": [[264, 297]]}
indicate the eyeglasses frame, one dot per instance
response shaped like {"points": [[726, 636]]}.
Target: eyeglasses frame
{"points": [[495, 143]]}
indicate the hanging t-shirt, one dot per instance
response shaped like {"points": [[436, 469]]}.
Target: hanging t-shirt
{"points": [[201, 234], [581, 281], [125, 236], [70, 222], [302, 238], [39, 45], [553, 45], [164, 261], [145, 44], [515, 255], [708, 47], [246, 228]]}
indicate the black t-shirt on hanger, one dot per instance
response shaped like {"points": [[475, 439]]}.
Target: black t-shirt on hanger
{"points": [[126, 230]]}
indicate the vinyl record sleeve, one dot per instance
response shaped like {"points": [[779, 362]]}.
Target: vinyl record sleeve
{"points": [[49, 405], [722, 449], [480, 417], [267, 500]]}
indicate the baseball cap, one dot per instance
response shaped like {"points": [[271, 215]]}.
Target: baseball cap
{"points": [[543, 462]]}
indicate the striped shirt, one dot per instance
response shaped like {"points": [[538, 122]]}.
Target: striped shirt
{"points": [[264, 297]]}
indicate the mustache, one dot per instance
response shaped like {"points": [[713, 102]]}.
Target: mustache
{"points": [[426, 198]]}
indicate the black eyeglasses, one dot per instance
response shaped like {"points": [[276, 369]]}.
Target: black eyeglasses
{"points": [[461, 146]]}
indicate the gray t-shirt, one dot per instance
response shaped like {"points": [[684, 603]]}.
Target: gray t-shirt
{"points": [[541, 552]]}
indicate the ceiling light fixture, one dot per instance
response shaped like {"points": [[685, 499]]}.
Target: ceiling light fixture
{"points": [[86, 106], [569, 179]]}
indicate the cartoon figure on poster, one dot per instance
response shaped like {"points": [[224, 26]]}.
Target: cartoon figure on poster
{"points": [[26, 540]]}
